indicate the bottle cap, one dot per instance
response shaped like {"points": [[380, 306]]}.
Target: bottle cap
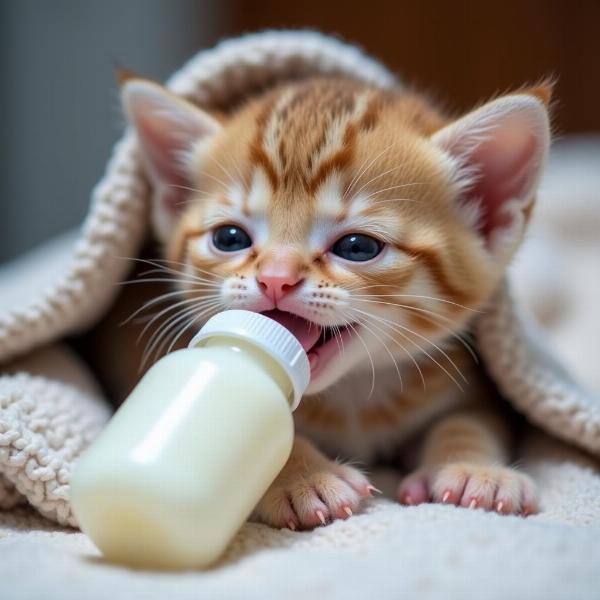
{"points": [[269, 335]]}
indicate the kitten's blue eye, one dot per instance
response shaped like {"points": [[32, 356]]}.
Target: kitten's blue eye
{"points": [[231, 238], [357, 247]]}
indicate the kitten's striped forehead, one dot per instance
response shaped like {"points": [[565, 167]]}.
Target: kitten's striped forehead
{"points": [[307, 131]]}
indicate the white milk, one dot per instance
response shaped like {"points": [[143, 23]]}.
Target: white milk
{"points": [[186, 458]]}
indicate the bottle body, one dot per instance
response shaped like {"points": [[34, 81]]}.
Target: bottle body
{"points": [[186, 458]]}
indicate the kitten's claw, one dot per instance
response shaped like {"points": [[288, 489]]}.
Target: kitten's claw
{"points": [[291, 525], [372, 488], [321, 517], [502, 489], [348, 511]]}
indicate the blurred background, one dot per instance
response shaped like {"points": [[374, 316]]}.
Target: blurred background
{"points": [[59, 110]]}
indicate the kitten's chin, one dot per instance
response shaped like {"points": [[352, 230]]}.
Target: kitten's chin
{"points": [[324, 380], [351, 359]]}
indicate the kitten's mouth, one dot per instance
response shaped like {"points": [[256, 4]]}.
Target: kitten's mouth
{"points": [[321, 343]]}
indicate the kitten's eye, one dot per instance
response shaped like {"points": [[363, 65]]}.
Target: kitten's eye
{"points": [[231, 238], [357, 247]]}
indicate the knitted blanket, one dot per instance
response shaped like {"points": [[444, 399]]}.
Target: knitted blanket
{"points": [[51, 407]]}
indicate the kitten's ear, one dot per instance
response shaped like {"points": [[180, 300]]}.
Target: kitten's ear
{"points": [[168, 127], [498, 153]]}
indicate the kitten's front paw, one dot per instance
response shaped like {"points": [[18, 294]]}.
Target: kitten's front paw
{"points": [[502, 489], [311, 491]]}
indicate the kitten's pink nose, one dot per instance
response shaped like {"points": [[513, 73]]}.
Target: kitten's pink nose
{"points": [[278, 278]]}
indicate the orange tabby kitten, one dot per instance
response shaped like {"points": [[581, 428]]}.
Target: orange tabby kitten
{"points": [[384, 227]]}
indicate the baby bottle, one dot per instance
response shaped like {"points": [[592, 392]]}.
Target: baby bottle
{"points": [[189, 454]]}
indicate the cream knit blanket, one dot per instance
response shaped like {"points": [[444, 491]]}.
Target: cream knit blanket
{"points": [[50, 406]]}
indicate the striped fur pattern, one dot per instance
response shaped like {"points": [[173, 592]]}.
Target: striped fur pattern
{"points": [[448, 200]]}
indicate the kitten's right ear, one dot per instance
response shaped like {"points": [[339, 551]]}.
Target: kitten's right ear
{"points": [[168, 128]]}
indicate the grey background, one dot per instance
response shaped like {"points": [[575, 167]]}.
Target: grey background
{"points": [[59, 105]]}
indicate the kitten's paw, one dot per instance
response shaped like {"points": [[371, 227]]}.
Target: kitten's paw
{"points": [[310, 493], [502, 489]]}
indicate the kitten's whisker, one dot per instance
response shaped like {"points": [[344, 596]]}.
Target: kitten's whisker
{"points": [[363, 322], [193, 200], [171, 323], [338, 338], [378, 176], [184, 277], [359, 298], [200, 283], [171, 307], [221, 166], [341, 338], [397, 328], [141, 319], [181, 306], [464, 342], [215, 178], [392, 187], [157, 263], [212, 275], [363, 169], [160, 331], [158, 315], [349, 324], [148, 304], [169, 271], [432, 343], [435, 299], [194, 318], [430, 319], [192, 189], [394, 200], [198, 195], [205, 314], [236, 165], [404, 336], [154, 349], [164, 280], [373, 321]]}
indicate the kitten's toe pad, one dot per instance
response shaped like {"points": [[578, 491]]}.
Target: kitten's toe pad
{"points": [[414, 489], [502, 489], [313, 495]]}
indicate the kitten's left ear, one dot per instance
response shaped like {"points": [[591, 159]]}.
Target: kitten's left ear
{"points": [[498, 153]]}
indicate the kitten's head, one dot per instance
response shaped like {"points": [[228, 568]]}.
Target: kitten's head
{"points": [[378, 222]]}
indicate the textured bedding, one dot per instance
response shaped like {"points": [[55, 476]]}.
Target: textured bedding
{"points": [[51, 406]]}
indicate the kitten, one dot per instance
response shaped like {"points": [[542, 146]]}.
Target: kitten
{"points": [[384, 226]]}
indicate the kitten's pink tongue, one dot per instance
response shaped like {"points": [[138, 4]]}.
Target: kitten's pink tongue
{"points": [[304, 331]]}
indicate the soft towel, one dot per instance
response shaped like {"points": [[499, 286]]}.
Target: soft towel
{"points": [[51, 409]]}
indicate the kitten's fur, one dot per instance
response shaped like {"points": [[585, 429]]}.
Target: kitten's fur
{"points": [[297, 168]]}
